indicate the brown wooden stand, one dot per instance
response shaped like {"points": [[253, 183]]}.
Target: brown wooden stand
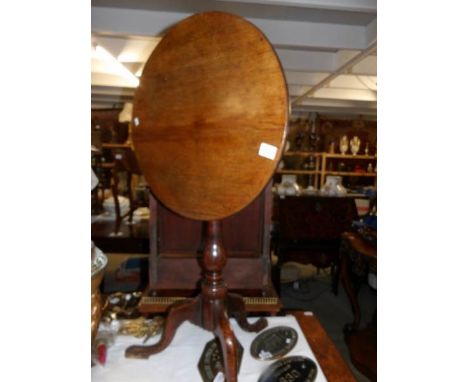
{"points": [[209, 310], [209, 124]]}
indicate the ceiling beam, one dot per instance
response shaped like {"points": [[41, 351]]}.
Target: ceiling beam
{"points": [[286, 33], [338, 5], [110, 98], [307, 35], [303, 78], [341, 70], [306, 61], [371, 32], [368, 66], [342, 81], [336, 93], [127, 48], [138, 49], [325, 62], [112, 91], [318, 56], [337, 106], [354, 82], [107, 79]]}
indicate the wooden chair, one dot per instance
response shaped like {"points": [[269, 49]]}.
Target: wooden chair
{"points": [[124, 161], [357, 257]]}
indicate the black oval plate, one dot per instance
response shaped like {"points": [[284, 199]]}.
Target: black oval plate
{"points": [[273, 343], [211, 361], [291, 369]]}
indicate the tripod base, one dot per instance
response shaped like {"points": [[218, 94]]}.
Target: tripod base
{"points": [[209, 310], [211, 315]]}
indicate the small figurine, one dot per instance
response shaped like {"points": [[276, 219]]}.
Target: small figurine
{"points": [[344, 144], [355, 144]]}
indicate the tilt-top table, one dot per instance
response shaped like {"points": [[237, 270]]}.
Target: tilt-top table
{"points": [[209, 125]]}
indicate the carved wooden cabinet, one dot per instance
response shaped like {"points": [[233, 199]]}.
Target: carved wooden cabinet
{"points": [[308, 228]]}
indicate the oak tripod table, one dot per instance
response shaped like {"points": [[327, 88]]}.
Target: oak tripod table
{"points": [[209, 126]]}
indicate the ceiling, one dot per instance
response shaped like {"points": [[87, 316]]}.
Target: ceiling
{"points": [[328, 48]]}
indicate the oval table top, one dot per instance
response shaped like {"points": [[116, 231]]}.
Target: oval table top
{"points": [[210, 116]]}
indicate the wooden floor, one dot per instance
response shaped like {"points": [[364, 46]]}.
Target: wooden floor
{"points": [[130, 238]]}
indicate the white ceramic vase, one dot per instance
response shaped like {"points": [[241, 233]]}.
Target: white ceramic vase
{"points": [[355, 144], [288, 186], [109, 205], [333, 187], [344, 144]]}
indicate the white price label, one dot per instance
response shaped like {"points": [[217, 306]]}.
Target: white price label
{"points": [[267, 151]]}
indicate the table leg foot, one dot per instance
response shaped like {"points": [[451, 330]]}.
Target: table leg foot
{"points": [[177, 314], [236, 309], [229, 345]]}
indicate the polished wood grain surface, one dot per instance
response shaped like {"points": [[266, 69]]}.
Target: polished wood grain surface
{"points": [[210, 94], [332, 363]]}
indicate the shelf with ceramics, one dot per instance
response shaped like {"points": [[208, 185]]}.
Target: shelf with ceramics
{"points": [[333, 187], [344, 173], [325, 165], [348, 165], [300, 153], [348, 156], [331, 182], [305, 164], [298, 172], [319, 148], [327, 174]]}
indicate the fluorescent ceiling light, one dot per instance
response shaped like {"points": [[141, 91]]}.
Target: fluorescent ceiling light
{"points": [[104, 55], [127, 57]]}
